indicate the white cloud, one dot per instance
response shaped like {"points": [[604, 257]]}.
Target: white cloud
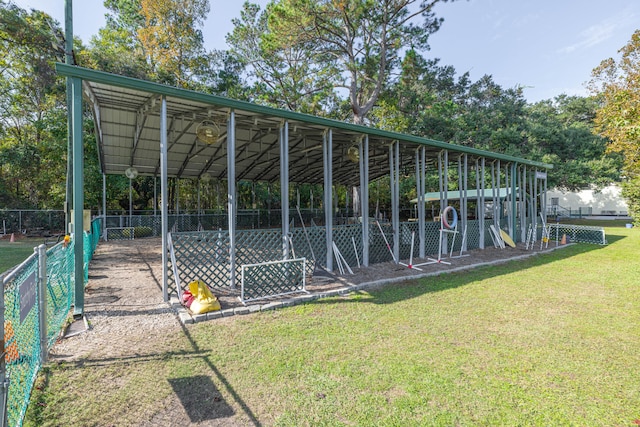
{"points": [[599, 33]]}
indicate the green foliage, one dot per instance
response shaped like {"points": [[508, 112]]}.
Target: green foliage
{"points": [[297, 55], [617, 85], [309, 48], [32, 118], [436, 104]]}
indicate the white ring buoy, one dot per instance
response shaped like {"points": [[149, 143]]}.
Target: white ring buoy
{"points": [[444, 218]]}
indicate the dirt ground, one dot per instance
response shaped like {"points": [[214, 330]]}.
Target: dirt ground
{"points": [[127, 316]]}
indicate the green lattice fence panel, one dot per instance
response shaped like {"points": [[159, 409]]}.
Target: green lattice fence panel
{"points": [[342, 236], [315, 246], [318, 239], [578, 233], [378, 251], [272, 278], [258, 246], [200, 255], [22, 341], [473, 234]]}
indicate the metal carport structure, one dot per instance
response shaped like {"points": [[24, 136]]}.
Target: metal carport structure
{"points": [[152, 127]]}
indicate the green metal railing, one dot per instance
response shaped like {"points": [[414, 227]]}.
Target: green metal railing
{"points": [[30, 326]]}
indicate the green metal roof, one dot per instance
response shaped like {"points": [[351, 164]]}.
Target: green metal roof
{"points": [[127, 115]]}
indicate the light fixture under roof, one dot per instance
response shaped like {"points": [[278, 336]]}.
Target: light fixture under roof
{"points": [[353, 154], [208, 132], [131, 173]]}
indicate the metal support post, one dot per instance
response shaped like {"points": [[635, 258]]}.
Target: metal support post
{"points": [[481, 207], [284, 187], [513, 221], [420, 193], [164, 190], [394, 166], [231, 195], [364, 199], [104, 206], [465, 200], [78, 197], [68, 59], [423, 189], [327, 156], [42, 302]]}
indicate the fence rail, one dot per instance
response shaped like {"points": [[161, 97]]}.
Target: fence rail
{"points": [[37, 297]]}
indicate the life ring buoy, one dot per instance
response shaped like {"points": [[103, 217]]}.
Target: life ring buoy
{"points": [[445, 213]]}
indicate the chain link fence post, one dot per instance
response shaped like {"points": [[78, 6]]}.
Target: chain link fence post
{"points": [[42, 302]]}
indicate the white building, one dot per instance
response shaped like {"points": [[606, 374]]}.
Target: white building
{"points": [[607, 201]]}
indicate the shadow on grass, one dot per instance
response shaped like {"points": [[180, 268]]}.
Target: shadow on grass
{"points": [[200, 398], [245, 408]]}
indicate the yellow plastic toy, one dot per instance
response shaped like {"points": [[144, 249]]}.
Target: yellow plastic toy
{"points": [[203, 300]]}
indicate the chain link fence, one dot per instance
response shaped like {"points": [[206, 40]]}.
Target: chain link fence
{"points": [[577, 233], [30, 326], [31, 222]]}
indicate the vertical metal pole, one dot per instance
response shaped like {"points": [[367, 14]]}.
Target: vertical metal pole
{"points": [[365, 201], [544, 207], [231, 196], [465, 197], [532, 213], [394, 151], [104, 206], [164, 192], [461, 215], [481, 224], [494, 210], [327, 156], [522, 205], [284, 187], [514, 223], [423, 190], [130, 206], [419, 188], [155, 197], [364, 197], [534, 208], [440, 182], [78, 197], [507, 200], [42, 302], [444, 191], [68, 59]]}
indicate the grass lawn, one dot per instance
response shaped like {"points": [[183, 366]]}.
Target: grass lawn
{"points": [[552, 340], [12, 254]]}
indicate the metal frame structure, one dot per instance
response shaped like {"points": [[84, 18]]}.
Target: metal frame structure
{"points": [[152, 127]]}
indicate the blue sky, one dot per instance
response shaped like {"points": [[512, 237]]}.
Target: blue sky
{"points": [[547, 46]]}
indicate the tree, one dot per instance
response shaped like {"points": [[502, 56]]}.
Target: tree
{"points": [[159, 40], [32, 124], [354, 44], [561, 132], [283, 77], [617, 85], [172, 40]]}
